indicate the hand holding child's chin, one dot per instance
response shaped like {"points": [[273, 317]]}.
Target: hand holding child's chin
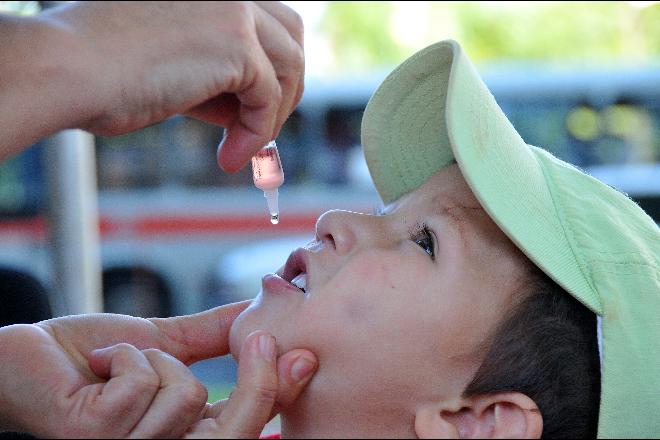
{"points": [[240, 330], [260, 315]]}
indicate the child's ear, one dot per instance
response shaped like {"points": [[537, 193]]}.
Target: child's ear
{"points": [[496, 415]]}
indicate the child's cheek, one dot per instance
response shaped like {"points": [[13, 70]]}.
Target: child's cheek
{"points": [[363, 285]]}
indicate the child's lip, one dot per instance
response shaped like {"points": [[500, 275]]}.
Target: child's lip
{"points": [[297, 263], [276, 284]]}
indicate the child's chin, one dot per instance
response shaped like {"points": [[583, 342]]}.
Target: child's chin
{"points": [[260, 315], [238, 333], [247, 322]]}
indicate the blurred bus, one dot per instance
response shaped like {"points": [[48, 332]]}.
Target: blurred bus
{"points": [[178, 235]]}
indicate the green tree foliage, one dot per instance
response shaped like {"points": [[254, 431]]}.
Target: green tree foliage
{"points": [[359, 33], [545, 31], [605, 32], [649, 23]]}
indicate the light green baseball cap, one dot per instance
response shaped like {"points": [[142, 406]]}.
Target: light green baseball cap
{"points": [[594, 241]]}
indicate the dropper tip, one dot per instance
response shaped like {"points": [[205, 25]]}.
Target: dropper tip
{"points": [[274, 218]]}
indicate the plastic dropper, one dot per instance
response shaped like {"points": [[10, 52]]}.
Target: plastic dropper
{"points": [[268, 176]]}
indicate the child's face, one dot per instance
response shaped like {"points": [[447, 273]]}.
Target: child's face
{"points": [[394, 318]]}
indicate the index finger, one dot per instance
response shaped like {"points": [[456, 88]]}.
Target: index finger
{"points": [[293, 23], [200, 336]]}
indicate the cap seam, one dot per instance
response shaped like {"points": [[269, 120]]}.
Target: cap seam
{"points": [[624, 263], [570, 235], [615, 252], [655, 277]]}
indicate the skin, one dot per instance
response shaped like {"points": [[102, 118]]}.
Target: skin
{"points": [[110, 68], [235, 64], [118, 376], [394, 329]]}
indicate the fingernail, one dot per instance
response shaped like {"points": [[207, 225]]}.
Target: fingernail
{"points": [[100, 351], [302, 368], [97, 352], [267, 347]]}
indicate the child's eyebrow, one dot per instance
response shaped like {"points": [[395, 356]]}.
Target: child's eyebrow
{"points": [[458, 216], [454, 210]]}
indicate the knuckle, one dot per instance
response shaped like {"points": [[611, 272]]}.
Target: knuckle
{"points": [[146, 379], [152, 352], [243, 35], [241, 9], [200, 392], [294, 21], [157, 356], [298, 59], [298, 25], [207, 428], [193, 397], [243, 22], [278, 94]]}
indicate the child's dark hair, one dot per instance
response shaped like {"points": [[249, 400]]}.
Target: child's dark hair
{"points": [[547, 349]]}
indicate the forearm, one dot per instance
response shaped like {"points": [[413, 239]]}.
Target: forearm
{"points": [[44, 81]]}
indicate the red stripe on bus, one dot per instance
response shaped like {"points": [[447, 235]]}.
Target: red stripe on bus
{"points": [[148, 226], [36, 227]]}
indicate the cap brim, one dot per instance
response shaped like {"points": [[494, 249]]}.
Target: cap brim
{"points": [[438, 110]]}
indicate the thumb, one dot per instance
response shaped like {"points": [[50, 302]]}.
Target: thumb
{"points": [[250, 405], [200, 336], [294, 369]]}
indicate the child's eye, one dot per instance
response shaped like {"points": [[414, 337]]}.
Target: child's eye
{"points": [[423, 237]]}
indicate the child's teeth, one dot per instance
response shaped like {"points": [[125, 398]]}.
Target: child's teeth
{"points": [[300, 281]]}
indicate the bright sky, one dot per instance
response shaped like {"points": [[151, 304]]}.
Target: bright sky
{"points": [[317, 49], [409, 27]]}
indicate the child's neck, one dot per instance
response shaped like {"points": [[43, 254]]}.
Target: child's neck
{"points": [[350, 417]]}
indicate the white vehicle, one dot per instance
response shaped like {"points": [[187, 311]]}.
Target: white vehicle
{"points": [[178, 235]]}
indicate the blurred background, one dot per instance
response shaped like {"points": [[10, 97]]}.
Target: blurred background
{"points": [[581, 79]]}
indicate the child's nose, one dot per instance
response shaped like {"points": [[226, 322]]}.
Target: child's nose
{"points": [[342, 231], [333, 230]]}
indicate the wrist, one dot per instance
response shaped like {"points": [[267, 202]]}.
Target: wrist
{"points": [[70, 64], [45, 83]]}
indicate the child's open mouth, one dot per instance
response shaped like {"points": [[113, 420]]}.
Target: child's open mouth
{"points": [[295, 270], [300, 282]]}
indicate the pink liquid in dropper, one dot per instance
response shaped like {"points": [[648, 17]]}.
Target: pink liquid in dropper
{"points": [[268, 176]]}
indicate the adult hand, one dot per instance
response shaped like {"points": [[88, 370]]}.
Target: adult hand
{"points": [[262, 385], [113, 67], [49, 388], [236, 64]]}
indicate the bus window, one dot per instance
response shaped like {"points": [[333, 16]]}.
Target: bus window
{"points": [[21, 187], [631, 133], [293, 152], [130, 160], [585, 135], [182, 152], [341, 138]]}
